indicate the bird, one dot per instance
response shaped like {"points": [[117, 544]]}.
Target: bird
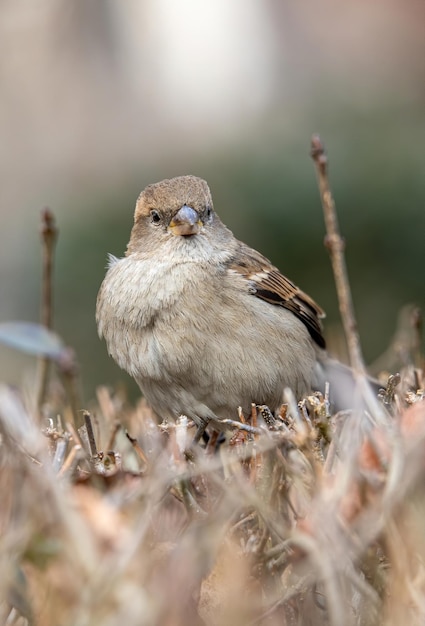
{"points": [[203, 322]]}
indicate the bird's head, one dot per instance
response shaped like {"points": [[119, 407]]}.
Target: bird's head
{"points": [[176, 214]]}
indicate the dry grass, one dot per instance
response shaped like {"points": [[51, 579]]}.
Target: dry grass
{"points": [[304, 518], [310, 519]]}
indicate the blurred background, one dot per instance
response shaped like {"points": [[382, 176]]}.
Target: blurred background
{"points": [[102, 97]]}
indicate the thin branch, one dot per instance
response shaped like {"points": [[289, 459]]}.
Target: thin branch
{"points": [[49, 234], [232, 425], [68, 369], [114, 431], [335, 244], [137, 449], [90, 434]]}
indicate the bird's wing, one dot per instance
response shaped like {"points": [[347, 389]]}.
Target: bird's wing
{"points": [[267, 283]]}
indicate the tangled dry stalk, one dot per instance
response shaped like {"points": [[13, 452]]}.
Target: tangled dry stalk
{"points": [[303, 518]]}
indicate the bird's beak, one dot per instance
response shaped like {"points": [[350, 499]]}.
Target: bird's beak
{"points": [[186, 222]]}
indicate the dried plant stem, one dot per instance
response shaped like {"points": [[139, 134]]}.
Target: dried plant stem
{"points": [[137, 449], [232, 425], [75, 435], [90, 434], [335, 244], [68, 369], [49, 234], [71, 460], [111, 441], [416, 322]]}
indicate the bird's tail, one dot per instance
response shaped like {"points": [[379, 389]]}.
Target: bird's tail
{"points": [[344, 390]]}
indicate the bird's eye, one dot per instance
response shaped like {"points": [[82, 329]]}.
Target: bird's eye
{"points": [[155, 217]]}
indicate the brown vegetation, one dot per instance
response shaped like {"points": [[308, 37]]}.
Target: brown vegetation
{"points": [[306, 518]]}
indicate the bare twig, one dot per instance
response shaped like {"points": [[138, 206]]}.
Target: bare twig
{"points": [[137, 449], [49, 234], [90, 433], [405, 348], [74, 434], [60, 452], [111, 441], [232, 425], [68, 368], [416, 321], [76, 453], [335, 244]]}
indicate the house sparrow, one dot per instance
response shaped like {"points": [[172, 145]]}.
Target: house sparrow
{"points": [[201, 321]]}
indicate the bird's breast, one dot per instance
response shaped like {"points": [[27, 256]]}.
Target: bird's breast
{"points": [[141, 312], [188, 327]]}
